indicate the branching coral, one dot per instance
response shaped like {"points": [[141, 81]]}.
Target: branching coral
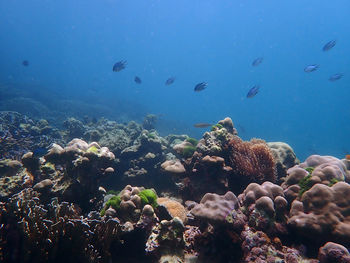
{"points": [[52, 231]]}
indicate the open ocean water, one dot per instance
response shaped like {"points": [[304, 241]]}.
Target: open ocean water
{"points": [[71, 47]]}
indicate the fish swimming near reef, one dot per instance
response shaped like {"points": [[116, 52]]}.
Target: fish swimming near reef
{"points": [[40, 152], [200, 86], [137, 80], [25, 63], [170, 81], [253, 91], [311, 68], [329, 45], [120, 65], [257, 61], [336, 77], [202, 125]]}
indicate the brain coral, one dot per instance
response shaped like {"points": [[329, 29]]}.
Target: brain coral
{"points": [[174, 208], [324, 211]]}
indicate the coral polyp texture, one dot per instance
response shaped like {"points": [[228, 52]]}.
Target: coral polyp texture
{"points": [[101, 191], [251, 160]]}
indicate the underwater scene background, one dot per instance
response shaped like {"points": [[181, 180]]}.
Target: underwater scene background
{"points": [[72, 46], [128, 131]]}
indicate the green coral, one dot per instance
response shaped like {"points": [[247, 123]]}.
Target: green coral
{"points": [[305, 184], [310, 169], [148, 197], [113, 202], [93, 149], [188, 151], [217, 126], [333, 182], [192, 141], [151, 135]]}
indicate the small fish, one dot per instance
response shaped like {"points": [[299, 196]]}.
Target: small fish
{"points": [[25, 63], [335, 77], [137, 80], [253, 91], [202, 125], [170, 81], [311, 68], [120, 65], [200, 86], [39, 152], [257, 61], [329, 45]]}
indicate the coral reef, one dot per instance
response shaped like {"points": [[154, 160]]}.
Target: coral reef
{"points": [[258, 247], [20, 134], [323, 212], [173, 208], [51, 231], [266, 207], [116, 194], [316, 169], [284, 156], [217, 209], [75, 171], [333, 253], [149, 121], [251, 161]]}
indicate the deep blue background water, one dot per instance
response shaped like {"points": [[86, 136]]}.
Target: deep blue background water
{"points": [[72, 45]]}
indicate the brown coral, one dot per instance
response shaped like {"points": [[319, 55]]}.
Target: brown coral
{"points": [[252, 161]]}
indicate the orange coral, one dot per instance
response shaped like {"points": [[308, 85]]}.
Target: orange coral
{"points": [[347, 157], [251, 159]]}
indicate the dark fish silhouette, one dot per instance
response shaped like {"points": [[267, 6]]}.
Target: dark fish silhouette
{"points": [[329, 45], [253, 91], [120, 65], [336, 77], [200, 86], [170, 81], [311, 68], [257, 61], [25, 63], [202, 125], [39, 152], [137, 80]]}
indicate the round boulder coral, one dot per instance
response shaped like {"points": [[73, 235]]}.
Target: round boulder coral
{"points": [[323, 211], [216, 208]]}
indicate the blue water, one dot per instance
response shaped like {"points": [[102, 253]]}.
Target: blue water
{"points": [[71, 47]]}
